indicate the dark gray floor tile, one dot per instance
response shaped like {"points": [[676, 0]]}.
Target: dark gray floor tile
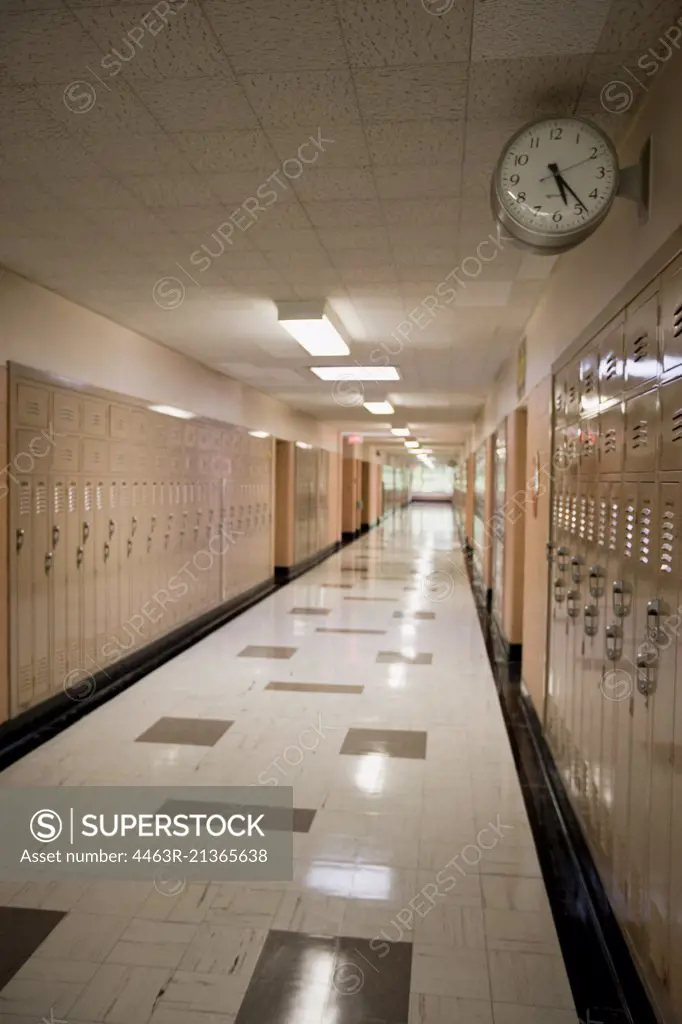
{"points": [[22, 930], [356, 632], [267, 651], [310, 611], [392, 742], [422, 616], [192, 732], [396, 658], [315, 687]]}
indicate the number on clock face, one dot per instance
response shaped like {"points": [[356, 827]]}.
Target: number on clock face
{"points": [[557, 176]]}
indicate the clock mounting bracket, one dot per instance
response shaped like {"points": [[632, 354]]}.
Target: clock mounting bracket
{"points": [[634, 182]]}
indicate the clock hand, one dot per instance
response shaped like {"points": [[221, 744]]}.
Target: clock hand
{"points": [[576, 197], [570, 167], [554, 168]]}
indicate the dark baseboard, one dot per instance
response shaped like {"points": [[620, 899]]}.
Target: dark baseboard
{"points": [[348, 536], [287, 573], [34, 727], [366, 527], [605, 983]]}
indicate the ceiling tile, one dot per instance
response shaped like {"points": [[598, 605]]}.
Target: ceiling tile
{"points": [[51, 152], [268, 185], [412, 93], [179, 44], [323, 98], [424, 257], [193, 220], [290, 239], [238, 150], [45, 46], [170, 190], [126, 153], [510, 29], [613, 89], [344, 259], [90, 108], [343, 145], [484, 293], [636, 24], [359, 275], [423, 235], [414, 142], [321, 183], [297, 260], [393, 32], [418, 181], [354, 238], [345, 213], [525, 88], [418, 212], [20, 110], [208, 104], [267, 35], [100, 194]]}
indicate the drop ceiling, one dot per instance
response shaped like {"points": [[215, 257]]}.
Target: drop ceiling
{"points": [[110, 184]]}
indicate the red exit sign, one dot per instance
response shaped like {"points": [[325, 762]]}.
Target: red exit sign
{"points": [[355, 439]]}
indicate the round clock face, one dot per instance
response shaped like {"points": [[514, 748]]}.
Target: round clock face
{"points": [[555, 182]]}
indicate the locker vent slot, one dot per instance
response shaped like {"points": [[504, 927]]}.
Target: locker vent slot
{"points": [[572, 396], [574, 513], [591, 504], [667, 540], [677, 321], [124, 495], [58, 498], [644, 534], [73, 497], [113, 503], [640, 434], [676, 429], [99, 496], [24, 498], [583, 517], [610, 441], [603, 519], [629, 530], [67, 415], [610, 366], [33, 408], [41, 499], [87, 497], [640, 347]]}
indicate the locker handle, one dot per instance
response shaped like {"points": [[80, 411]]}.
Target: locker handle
{"points": [[591, 617], [614, 641], [646, 659], [79, 556], [86, 531], [49, 558], [21, 534], [153, 523], [573, 603], [107, 550], [654, 610], [55, 536], [134, 525], [596, 576], [622, 598], [130, 546], [112, 528], [577, 563], [562, 556], [559, 591]]}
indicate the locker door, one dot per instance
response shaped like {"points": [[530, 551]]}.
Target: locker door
{"points": [[123, 551], [645, 628], [641, 340], [560, 626], [108, 535], [578, 501], [659, 911], [671, 425], [59, 583], [42, 570], [22, 546], [586, 651], [671, 316], [552, 716], [642, 428], [611, 367], [622, 602], [106, 621]]}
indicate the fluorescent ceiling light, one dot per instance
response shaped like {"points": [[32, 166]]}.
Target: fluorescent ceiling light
{"points": [[169, 410], [259, 433], [426, 451], [318, 336], [302, 444], [411, 444], [400, 432], [355, 372], [379, 408]]}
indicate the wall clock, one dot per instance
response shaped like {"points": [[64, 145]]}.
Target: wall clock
{"points": [[554, 183]]}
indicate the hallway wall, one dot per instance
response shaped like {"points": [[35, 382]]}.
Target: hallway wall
{"points": [[43, 331]]}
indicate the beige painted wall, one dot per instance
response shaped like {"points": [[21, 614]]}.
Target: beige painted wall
{"points": [[4, 563], [538, 446], [41, 330]]}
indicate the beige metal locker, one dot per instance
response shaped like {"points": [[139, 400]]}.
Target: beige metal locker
{"points": [[641, 339], [671, 317]]}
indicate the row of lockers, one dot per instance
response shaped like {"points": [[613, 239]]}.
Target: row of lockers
{"points": [[103, 563], [311, 489], [613, 710], [639, 347]]}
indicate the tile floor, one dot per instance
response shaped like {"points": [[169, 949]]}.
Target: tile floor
{"points": [[416, 893]]}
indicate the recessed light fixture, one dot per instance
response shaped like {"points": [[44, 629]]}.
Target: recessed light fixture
{"points": [[400, 432], [169, 410], [310, 324], [379, 408], [411, 444], [378, 373], [259, 433], [302, 444], [426, 451]]}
